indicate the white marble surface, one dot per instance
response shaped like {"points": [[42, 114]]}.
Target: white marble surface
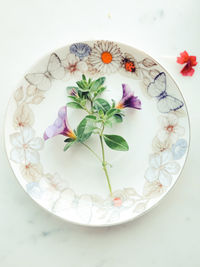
{"points": [[169, 234]]}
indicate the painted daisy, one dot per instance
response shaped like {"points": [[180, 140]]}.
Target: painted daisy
{"points": [[105, 57]]}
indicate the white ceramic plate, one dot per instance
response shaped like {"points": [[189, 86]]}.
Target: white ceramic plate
{"points": [[71, 184]]}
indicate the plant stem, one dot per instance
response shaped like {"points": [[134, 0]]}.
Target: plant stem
{"points": [[104, 162], [92, 151], [84, 107]]}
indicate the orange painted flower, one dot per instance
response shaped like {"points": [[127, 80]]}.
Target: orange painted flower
{"points": [[190, 61], [105, 57]]}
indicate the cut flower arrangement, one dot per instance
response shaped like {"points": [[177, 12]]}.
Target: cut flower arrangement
{"points": [[100, 114]]}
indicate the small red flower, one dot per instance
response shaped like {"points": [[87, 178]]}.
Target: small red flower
{"points": [[190, 61]]}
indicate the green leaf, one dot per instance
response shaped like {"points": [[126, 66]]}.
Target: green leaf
{"points": [[74, 105], [116, 142], [108, 123], [112, 112], [83, 102], [69, 143], [74, 98], [85, 128], [101, 113], [101, 104], [68, 140], [93, 117], [113, 103], [98, 83], [83, 77], [82, 86], [117, 118]]}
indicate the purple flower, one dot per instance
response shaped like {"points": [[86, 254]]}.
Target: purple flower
{"points": [[80, 49], [128, 99], [72, 91], [60, 126]]}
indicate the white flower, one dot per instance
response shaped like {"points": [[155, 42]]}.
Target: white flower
{"points": [[26, 146], [23, 116], [153, 189], [74, 67], [111, 207], [31, 172], [161, 168], [44, 192], [68, 200], [159, 146], [170, 128], [56, 182], [105, 57]]}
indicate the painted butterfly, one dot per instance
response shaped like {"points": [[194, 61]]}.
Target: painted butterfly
{"points": [[166, 102], [55, 70]]}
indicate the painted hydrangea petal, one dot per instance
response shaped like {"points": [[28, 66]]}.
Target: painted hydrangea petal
{"points": [[163, 121], [179, 149], [114, 216], [166, 156], [172, 167], [23, 116], [153, 189], [16, 140], [179, 130], [65, 201], [36, 143], [28, 133], [72, 59], [159, 146], [34, 190], [172, 119], [84, 208], [151, 174], [31, 172], [82, 66], [17, 155], [162, 135], [155, 160], [165, 178], [32, 156], [173, 137]]}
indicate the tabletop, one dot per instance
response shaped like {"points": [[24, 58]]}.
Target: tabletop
{"points": [[169, 234]]}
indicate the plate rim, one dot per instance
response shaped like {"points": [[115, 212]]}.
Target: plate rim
{"points": [[92, 225]]}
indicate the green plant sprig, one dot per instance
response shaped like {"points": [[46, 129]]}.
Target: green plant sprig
{"points": [[100, 114]]}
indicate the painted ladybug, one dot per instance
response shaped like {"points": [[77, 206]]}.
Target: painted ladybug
{"points": [[129, 65]]}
